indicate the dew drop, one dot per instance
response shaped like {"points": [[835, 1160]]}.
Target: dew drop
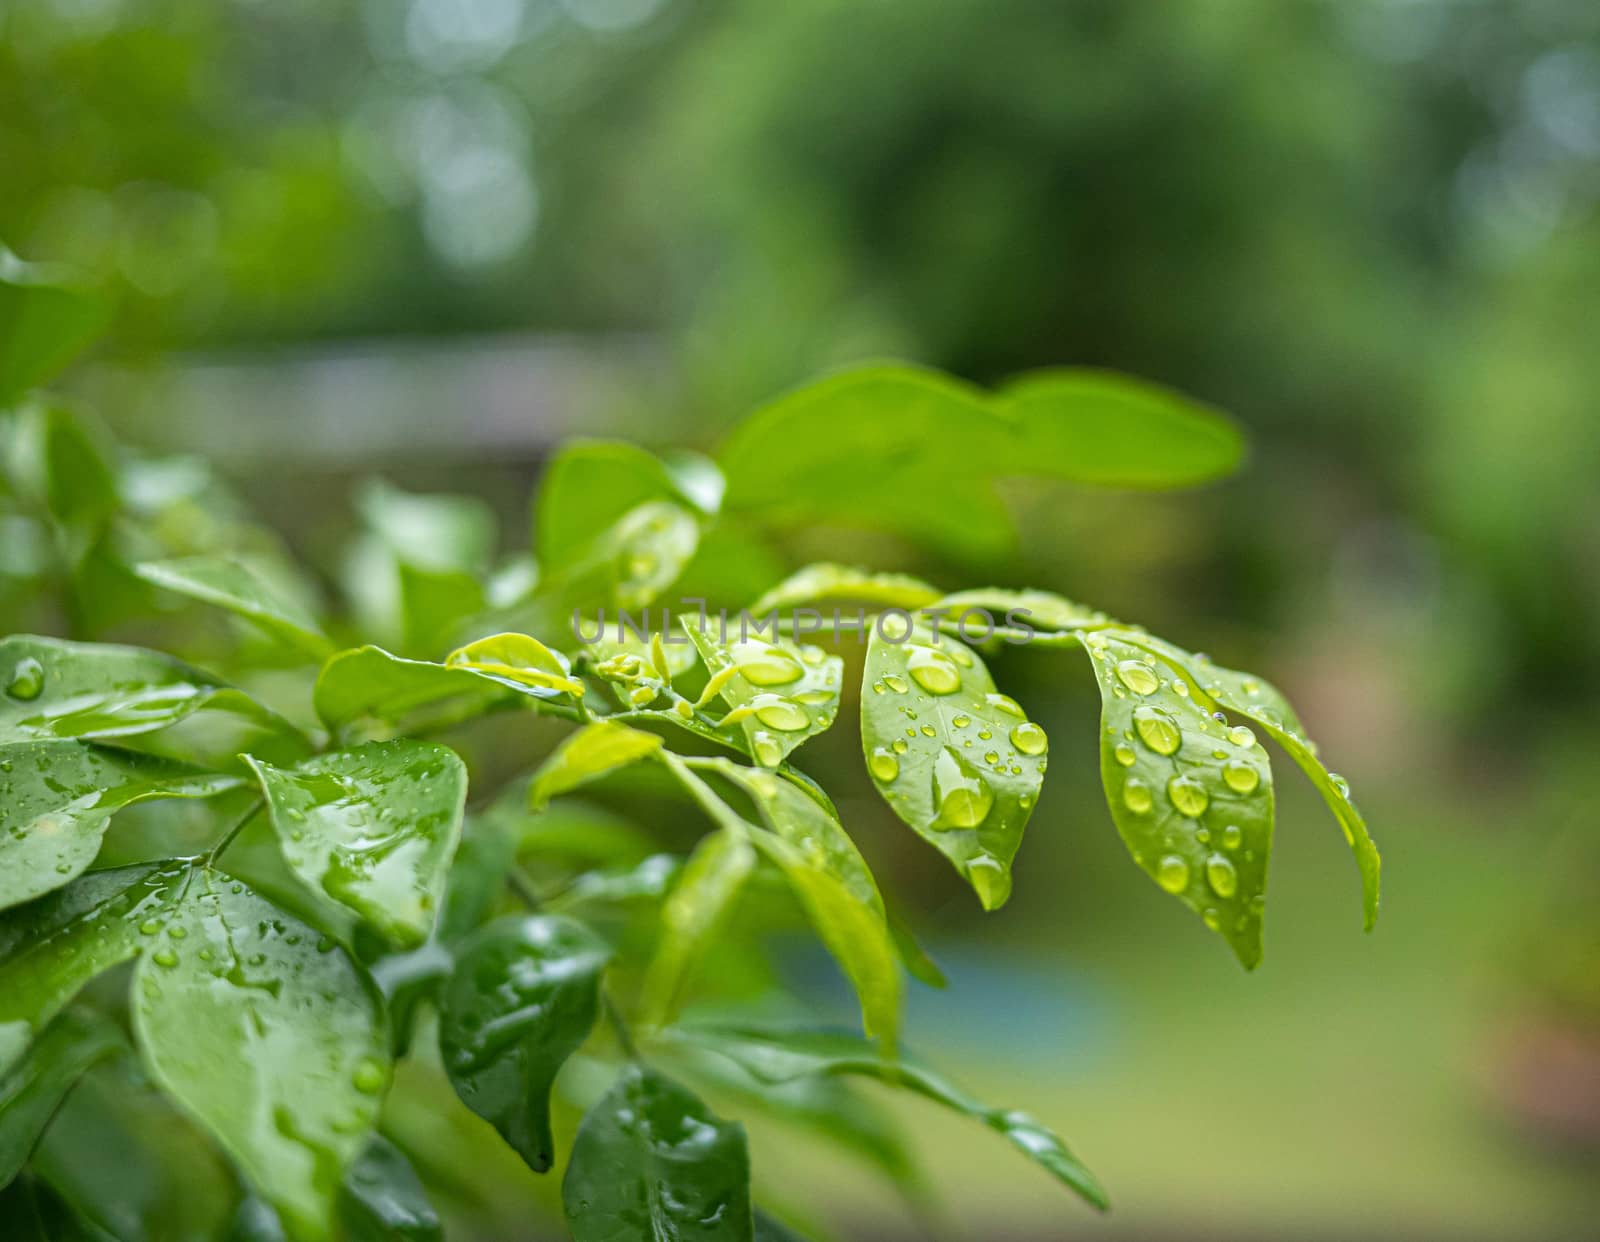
{"points": [[1136, 796], [1005, 703], [762, 665], [1188, 795], [961, 722], [991, 756], [779, 713], [1239, 735], [960, 793], [1172, 873], [767, 751], [165, 957], [929, 731], [934, 671], [1030, 739], [1138, 677], [884, 766], [989, 880], [895, 683], [27, 680], [149, 927], [368, 1077], [1231, 836], [1339, 783], [1157, 730], [1124, 755], [900, 746], [1241, 777], [1224, 880]]}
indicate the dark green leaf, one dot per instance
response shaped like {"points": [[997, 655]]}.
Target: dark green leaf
{"points": [[770, 1230], [779, 693], [954, 759], [1099, 427], [232, 584], [46, 317], [270, 1038], [522, 999], [31, 1093], [59, 797], [372, 829], [53, 946], [1191, 796], [778, 1056], [650, 1161], [592, 752], [59, 689], [383, 1199]]}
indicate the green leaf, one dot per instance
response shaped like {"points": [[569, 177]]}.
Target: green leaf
{"points": [[780, 693], [777, 1056], [590, 484], [58, 464], [629, 563], [46, 318], [1099, 427], [57, 689], [1191, 796], [59, 798], [1250, 696], [50, 948], [438, 533], [232, 584], [770, 1230], [638, 671], [650, 1161], [366, 692], [647, 880], [592, 752], [270, 1038], [31, 1093], [383, 1199], [835, 886], [693, 912], [372, 829], [1020, 612], [520, 663], [957, 761], [827, 581], [523, 997]]}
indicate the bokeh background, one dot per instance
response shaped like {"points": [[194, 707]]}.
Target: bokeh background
{"points": [[431, 238]]}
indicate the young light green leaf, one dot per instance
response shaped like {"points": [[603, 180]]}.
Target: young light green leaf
{"points": [[523, 997], [59, 689], [519, 662], [779, 692], [372, 829], [56, 462], [696, 908], [51, 947], [439, 532], [629, 563], [57, 798], [651, 1161], [46, 317], [638, 670], [1256, 700], [1191, 796], [835, 886], [777, 1055], [1099, 427], [270, 1038], [232, 584], [592, 752], [383, 1199], [956, 760], [975, 614], [827, 581], [366, 692], [31, 1093]]}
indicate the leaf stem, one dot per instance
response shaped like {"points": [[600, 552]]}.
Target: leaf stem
{"points": [[227, 838], [614, 1016]]}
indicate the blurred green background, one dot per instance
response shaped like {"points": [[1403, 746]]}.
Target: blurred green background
{"points": [[433, 237]]}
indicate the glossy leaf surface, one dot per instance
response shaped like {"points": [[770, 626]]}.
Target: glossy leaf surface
{"points": [[1191, 796], [522, 999], [383, 1199], [372, 829], [366, 692], [651, 1161], [825, 581], [268, 1037], [956, 760], [587, 755], [31, 1093], [233, 585]]}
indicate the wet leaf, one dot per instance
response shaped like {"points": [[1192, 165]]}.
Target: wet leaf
{"points": [[1099, 427], [1252, 697], [100, 691], [270, 1038], [519, 662], [1192, 799], [231, 584], [650, 1161], [826, 582], [782, 1055], [383, 1199], [366, 692], [835, 886], [698, 905], [592, 752], [372, 829], [31, 1093], [523, 997], [57, 799], [52, 947], [957, 761], [1023, 613], [779, 693]]}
